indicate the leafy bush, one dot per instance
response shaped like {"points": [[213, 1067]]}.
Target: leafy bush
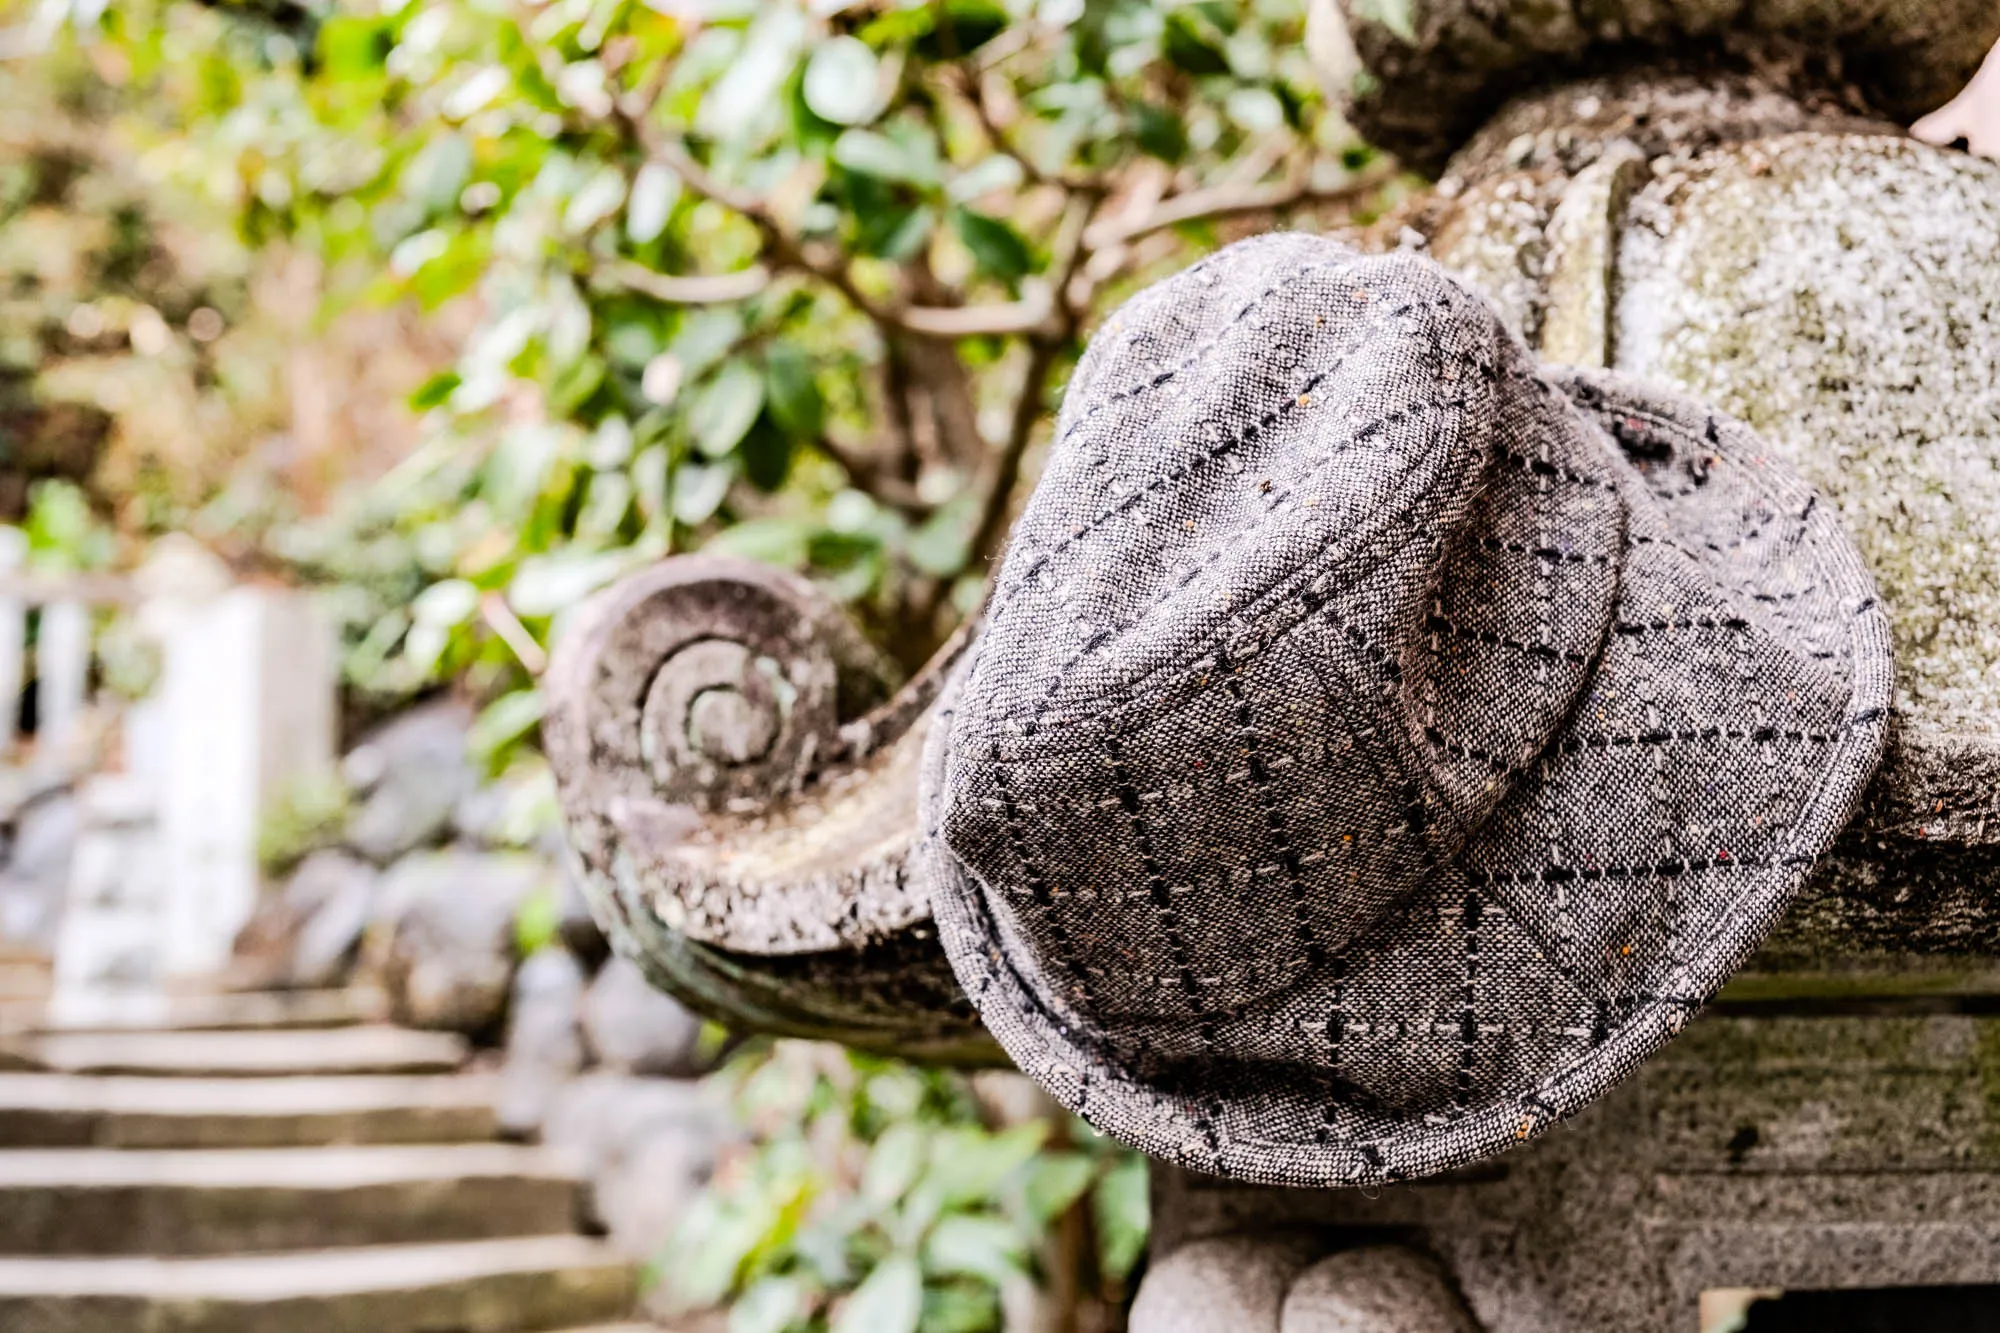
{"points": [[791, 280], [878, 1198]]}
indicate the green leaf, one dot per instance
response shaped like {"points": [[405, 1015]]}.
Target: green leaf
{"points": [[967, 1165], [1188, 48], [988, 175], [766, 452], [1159, 132], [996, 247], [774, 541], [907, 235], [597, 200], [353, 48], [503, 723], [972, 1245], [1256, 110], [841, 82], [538, 920], [1123, 1211], [793, 392], [891, 1300], [1055, 1181], [771, 1305], [874, 154], [962, 28], [894, 1163], [1398, 16], [746, 95], [655, 191], [434, 391], [941, 544], [726, 407], [699, 489]]}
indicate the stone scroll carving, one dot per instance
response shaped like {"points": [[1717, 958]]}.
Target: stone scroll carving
{"points": [[738, 775]]}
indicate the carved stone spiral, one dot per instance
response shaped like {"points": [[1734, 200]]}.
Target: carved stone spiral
{"points": [[740, 787]]}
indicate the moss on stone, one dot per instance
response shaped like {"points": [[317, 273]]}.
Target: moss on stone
{"points": [[1841, 293]]}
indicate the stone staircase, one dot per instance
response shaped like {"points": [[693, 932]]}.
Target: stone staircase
{"points": [[268, 1164]]}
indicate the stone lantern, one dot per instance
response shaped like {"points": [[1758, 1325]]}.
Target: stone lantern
{"points": [[1708, 194]]}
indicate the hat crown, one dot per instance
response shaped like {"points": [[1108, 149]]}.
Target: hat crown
{"points": [[1244, 655]]}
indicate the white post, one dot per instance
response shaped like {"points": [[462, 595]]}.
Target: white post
{"points": [[249, 693], [13, 636], [62, 668]]}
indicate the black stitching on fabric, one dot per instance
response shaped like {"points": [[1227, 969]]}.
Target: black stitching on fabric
{"points": [[1638, 627], [1541, 468], [1134, 390], [1038, 884], [1468, 1014], [1281, 498], [1275, 827], [1438, 622], [1665, 868], [1227, 446], [1157, 889], [1543, 552]]}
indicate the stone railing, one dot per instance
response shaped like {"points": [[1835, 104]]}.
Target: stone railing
{"points": [[1734, 212]]}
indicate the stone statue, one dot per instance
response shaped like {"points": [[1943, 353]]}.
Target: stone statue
{"points": [[1712, 196]]}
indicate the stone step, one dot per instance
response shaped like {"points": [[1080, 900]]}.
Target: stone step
{"points": [[508, 1286], [91, 1201], [72, 1111], [24, 979], [356, 1050], [216, 1011]]}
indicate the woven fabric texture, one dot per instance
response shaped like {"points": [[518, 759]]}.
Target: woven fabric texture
{"points": [[1378, 743]]}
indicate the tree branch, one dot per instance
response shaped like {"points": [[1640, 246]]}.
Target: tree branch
{"points": [[785, 250], [1070, 252], [869, 478], [687, 289], [1225, 201]]}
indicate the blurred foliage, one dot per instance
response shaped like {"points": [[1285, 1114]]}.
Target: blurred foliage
{"points": [[119, 360], [306, 817], [872, 1197], [797, 280], [789, 280]]}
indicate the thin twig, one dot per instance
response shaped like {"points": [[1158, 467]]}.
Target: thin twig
{"points": [[1224, 201], [868, 478], [500, 618], [687, 289]]}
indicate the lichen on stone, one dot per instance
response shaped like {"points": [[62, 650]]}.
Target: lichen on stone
{"points": [[1841, 294]]}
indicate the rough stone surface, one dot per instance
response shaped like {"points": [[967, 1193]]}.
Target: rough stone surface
{"points": [[1440, 67], [632, 1028], [1838, 293], [544, 1040], [1236, 1283], [1818, 1152], [645, 1145], [243, 1200], [575, 925], [1374, 1289], [57, 1111], [411, 775], [41, 841], [495, 1286], [442, 942], [335, 893]]}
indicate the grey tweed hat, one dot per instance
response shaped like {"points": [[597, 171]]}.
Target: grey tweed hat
{"points": [[1380, 744]]}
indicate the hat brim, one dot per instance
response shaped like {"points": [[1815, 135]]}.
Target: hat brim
{"points": [[1515, 915]]}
